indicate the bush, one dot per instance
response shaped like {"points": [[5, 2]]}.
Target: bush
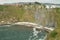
{"points": [[53, 34], [2, 7]]}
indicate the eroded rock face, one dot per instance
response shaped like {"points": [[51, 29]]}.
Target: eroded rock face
{"points": [[28, 13]]}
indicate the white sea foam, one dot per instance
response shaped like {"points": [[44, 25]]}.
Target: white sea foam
{"points": [[34, 25]]}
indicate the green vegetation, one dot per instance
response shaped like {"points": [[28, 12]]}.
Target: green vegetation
{"points": [[2, 7], [53, 34], [13, 13], [37, 3]]}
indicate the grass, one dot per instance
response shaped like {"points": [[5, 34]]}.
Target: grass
{"points": [[55, 35], [7, 12]]}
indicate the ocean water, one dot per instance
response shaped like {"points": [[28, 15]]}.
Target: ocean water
{"points": [[20, 32]]}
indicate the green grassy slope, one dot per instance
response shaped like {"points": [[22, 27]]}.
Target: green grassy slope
{"points": [[55, 35], [9, 13]]}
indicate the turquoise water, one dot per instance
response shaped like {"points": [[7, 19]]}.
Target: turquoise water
{"points": [[19, 32]]}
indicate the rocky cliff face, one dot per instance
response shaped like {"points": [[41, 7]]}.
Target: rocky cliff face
{"points": [[27, 12]]}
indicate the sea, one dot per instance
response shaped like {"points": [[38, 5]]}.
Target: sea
{"points": [[20, 32]]}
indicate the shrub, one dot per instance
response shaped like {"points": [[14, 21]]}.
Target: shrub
{"points": [[53, 34]]}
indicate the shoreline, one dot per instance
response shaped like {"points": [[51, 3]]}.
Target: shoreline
{"points": [[30, 24]]}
